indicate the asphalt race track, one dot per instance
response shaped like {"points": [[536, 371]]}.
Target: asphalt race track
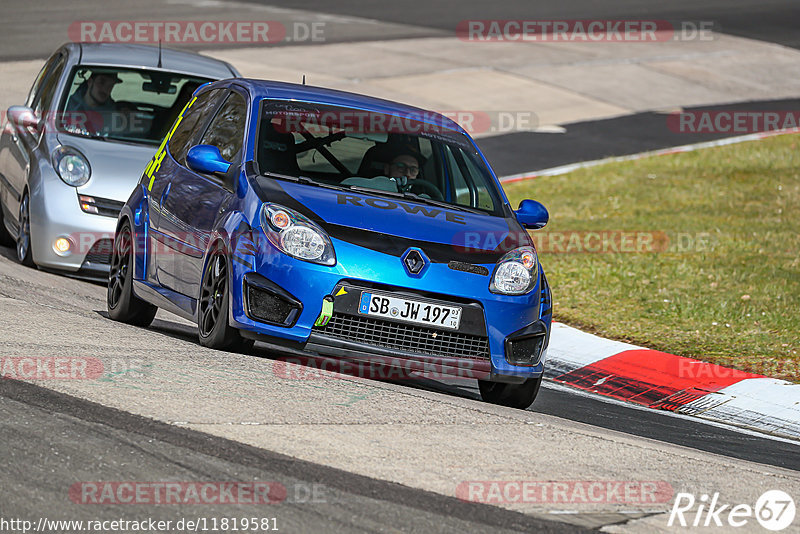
{"points": [[35, 33], [353, 455], [317, 497], [170, 410], [593, 140], [563, 402], [773, 21]]}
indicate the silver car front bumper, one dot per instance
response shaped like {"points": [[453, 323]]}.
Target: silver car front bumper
{"points": [[55, 213]]}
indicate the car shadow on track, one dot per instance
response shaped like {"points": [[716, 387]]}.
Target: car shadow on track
{"points": [[8, 253], [184, 332], [305, 365]]}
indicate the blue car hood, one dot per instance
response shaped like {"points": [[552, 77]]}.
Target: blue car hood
{"points": [[393, 224]]}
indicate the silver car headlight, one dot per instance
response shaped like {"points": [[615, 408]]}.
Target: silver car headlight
{"points": [[72, 166], [516, 272], [295, 235]]}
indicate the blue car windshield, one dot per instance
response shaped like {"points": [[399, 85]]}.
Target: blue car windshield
{"points": [[123, 104], [352, 148]]}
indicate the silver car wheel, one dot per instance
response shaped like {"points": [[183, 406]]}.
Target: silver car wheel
{"points": [[24, 237]]}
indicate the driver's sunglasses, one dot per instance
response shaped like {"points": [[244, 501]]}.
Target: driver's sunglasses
{"points": [[403, 166]]}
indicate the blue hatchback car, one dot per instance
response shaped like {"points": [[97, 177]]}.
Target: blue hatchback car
{"points": [[343, 225]]}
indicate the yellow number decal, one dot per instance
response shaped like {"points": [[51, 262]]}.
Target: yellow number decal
{"points": [[155, 163]]}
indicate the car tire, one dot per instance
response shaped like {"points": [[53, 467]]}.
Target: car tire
{"points": [[512, 395], [24, 243], [122, 304], [212, 308]]}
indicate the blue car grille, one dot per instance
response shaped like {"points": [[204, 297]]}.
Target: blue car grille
{"points": [[406, 337]]}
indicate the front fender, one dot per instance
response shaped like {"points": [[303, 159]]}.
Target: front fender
{"points": [[136, 212], [233, 234]]}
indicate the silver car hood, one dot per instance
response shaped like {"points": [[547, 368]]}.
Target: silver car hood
{"points": [[116, 167]]}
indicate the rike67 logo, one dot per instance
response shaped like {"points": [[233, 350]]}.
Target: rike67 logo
{"points": [[774, 510]]}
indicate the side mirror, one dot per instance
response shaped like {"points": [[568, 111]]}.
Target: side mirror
{"points": [[207, 160], [532, 214], [23, 118]]}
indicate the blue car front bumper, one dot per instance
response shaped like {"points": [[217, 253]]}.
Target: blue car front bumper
{"points": [[494, 330]]}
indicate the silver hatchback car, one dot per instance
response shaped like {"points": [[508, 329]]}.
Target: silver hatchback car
{"points": [[70, 157]]}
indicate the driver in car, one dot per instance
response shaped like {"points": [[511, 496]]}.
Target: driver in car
{"points": [[91, 106], [400, 174], [404, 169]]}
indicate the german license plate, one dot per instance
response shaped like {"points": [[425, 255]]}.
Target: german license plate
{"points": [[411, 311]]}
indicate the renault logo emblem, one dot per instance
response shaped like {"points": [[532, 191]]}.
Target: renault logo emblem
{"points": [[414, 261]]}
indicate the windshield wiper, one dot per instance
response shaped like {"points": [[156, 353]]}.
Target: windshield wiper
{"points": [[362, 189], [305, 180], [416, 198], [278, 176]]}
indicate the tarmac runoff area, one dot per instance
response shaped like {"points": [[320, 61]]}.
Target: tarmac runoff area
{"points": [[504, 87], [441, 443], [542, 85]]}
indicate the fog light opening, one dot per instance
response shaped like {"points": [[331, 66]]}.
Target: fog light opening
{"points": [[525, 351], [268, 307], [62, 246]]}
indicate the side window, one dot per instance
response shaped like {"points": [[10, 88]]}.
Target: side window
{"points": [[226, 131], [43, 96], [181, 140], [463, 173], [484, 197], [37, 84], [462, 189]]}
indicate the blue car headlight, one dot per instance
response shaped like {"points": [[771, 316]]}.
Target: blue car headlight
{"points": [[72, 166], [295, 235], [516, 272]]}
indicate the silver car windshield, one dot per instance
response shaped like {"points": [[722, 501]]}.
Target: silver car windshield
{"points": [[356, 149], [133, 105]]}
